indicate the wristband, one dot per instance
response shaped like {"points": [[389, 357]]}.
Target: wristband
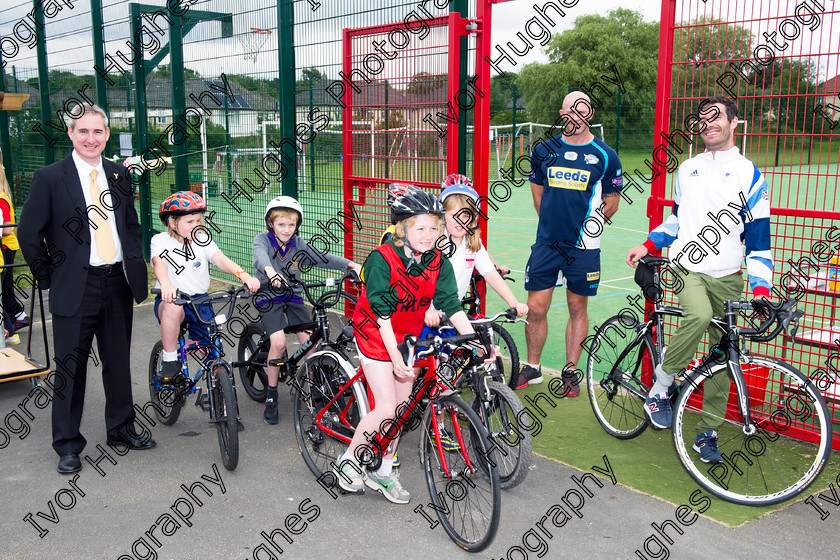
{"points": [[239, 273]]}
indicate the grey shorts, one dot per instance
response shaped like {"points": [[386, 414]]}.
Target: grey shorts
{"points": [[281, 315]]}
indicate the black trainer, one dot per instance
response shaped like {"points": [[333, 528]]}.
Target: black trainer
{"points": [[529, 375], [271, 415], [168, 371], [571, 380]]}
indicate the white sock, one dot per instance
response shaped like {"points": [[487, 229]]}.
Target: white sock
{"points": [[535, 366], [663, 381], [385, 468], [21, 316], [346, 457], [170, 356]]}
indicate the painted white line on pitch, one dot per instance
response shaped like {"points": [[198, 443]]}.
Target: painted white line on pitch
{"points": [[608, 285], [628, 229]]}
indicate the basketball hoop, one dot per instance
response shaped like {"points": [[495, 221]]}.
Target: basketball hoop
{"points": [[253, 41]]}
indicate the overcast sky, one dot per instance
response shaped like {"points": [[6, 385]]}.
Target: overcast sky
{"points": [[510, 17], [321, 43]]}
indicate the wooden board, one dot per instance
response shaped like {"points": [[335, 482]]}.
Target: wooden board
{"points": [[14, 366]]}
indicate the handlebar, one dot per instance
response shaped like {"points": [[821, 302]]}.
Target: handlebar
{"points": [[432, 343], [326, 300], [783, 315], [406, 347], [227, 296]]}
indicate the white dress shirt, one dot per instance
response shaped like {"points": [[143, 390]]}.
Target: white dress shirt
{"points": [[84, 170]]}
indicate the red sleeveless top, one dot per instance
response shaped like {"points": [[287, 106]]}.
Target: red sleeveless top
{"points": [[411, 297]]}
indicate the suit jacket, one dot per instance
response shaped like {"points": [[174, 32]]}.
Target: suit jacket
{"points": [[54, 233]]}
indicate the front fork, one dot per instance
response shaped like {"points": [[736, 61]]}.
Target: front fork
{"points": [[732, 358]]}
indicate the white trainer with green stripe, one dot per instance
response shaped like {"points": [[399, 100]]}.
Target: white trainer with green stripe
{"points": [[389, 486]]}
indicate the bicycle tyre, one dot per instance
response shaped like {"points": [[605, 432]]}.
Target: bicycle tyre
{"points": [[502, 415], [619, 411], [166, 401], [774, 464], [317, 382], [224, 402], [468, 504], [253, 342], [507, 364]]}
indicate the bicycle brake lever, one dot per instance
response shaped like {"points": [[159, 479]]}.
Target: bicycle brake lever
{"points": [[793, 319]]}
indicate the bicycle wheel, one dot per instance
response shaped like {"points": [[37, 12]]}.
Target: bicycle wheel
{"points": [[466, 495], [507, 361], [501, 415], [618, 376], [223, 402], [783, 454], [318, 381], [166, 400], [254, 346]]}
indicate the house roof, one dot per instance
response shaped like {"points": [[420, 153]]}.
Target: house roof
{"points": [[369, 95], [22, 87], [159, 96], [830, 87]]}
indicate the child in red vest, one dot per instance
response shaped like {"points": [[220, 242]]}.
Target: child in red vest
{"points": [[402, 278]]}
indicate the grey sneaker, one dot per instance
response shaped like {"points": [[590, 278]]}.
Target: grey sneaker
{"points": [[350, 477], [389, 486]]}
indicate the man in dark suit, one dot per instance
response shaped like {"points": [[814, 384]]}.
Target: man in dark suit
{"points": [[80, 235]]}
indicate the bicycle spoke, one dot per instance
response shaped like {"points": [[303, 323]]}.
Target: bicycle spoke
{"points": [[786, 451]]}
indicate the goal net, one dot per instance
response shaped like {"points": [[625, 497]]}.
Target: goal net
{"points": [[507, 144]]}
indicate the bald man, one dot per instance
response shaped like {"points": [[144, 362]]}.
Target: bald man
{"points": [[575, 181]]}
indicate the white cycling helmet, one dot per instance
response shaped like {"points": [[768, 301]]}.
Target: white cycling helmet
{"points": [[286, 202]]}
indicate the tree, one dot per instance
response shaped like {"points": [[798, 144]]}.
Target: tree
{"points": [[310, 78], [425, 83], [582, 55], [164, 71], [599, 46], [501, 96]]}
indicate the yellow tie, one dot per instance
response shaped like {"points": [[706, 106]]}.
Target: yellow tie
{"points": [[105, 247]]}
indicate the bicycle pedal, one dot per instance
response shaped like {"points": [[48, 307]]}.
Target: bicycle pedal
{"points": [[202, 401]]}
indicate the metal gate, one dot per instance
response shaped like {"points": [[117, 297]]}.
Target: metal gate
{"points": [[780, 61]]}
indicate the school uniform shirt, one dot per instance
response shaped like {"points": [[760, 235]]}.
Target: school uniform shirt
{"points": [[188, 266]]}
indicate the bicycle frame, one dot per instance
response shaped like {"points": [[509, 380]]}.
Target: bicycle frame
{"points": [[729, 340], [430, 387]]}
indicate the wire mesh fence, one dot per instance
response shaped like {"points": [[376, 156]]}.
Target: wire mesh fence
{"points": [[210, 98]]}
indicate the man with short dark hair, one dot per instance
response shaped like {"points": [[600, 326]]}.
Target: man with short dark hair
{"points": [[80, 235], [722, 191], [575, 181]]}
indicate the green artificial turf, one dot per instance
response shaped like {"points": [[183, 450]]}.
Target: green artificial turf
{"points": [[569, 433]]}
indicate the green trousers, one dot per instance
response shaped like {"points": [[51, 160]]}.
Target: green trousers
{"points": [[701, 298]]}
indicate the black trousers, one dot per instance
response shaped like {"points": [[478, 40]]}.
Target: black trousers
{"points": [[106, 311]]}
